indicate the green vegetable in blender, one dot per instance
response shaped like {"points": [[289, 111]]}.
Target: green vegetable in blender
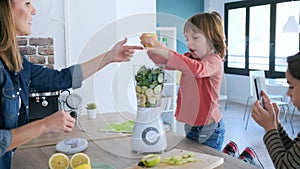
{"points": [[149, 81]]}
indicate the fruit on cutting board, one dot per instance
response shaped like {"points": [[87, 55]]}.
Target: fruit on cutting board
{"points": [[150, 160], [58, 161], [79, 159], [188, 157]]}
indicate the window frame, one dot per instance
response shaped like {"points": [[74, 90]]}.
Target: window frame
{"points": [[271, 73]]}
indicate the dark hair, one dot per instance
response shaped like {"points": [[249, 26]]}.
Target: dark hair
{"points": [[294, 65]]}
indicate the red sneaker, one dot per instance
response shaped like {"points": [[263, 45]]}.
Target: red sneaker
{"points": [[249, 156], [231, 149]]}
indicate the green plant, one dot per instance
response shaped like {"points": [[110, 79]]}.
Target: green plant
{"points": [[91, 106]]}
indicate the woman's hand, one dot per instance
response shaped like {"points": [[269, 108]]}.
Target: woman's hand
{"points": [[121, 53], [266, 117], [59, 121]]}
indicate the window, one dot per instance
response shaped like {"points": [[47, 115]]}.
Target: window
{"points": [[255, 37]]}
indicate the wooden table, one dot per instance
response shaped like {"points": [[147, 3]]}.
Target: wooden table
{"points": [[86, 128], [111, 148]]}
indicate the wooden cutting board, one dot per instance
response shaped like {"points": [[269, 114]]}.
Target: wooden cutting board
{"points": [[206, 161]]}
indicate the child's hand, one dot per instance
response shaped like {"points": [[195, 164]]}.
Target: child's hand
{"points": [[265, 117], [149, 40], [271, 106]]}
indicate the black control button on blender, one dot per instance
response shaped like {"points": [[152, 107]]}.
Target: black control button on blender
{"points": [[73, 114]]}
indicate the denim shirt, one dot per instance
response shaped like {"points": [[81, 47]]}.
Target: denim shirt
{"points": [[17, 85]]}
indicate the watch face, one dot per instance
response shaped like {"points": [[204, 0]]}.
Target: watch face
{"points": [[150, 135]]}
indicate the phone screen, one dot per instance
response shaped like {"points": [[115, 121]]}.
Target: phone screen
{"points": [[257, 88], [258, 91]]}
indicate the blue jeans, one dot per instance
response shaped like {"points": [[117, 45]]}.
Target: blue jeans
{"points": [[211, 135]]}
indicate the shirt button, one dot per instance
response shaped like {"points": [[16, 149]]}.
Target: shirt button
{"points": [[20, 89], [13, 96], [18, 114], [27, 107], [18, 93]]}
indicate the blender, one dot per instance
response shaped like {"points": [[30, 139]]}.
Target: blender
{"points": [[149, 133]]}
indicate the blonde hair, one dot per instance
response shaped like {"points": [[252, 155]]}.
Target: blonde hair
{"points": [[9, 51], [211, 26]]}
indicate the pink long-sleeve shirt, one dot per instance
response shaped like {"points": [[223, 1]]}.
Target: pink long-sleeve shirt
{"points": [[200, 83]]}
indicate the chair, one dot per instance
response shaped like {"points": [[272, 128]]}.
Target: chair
{"points": [[252, 74], [281, 103]]}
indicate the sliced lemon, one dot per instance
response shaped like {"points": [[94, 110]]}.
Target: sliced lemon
{"points": [[84, 166], [58, 161], [79, 159]]}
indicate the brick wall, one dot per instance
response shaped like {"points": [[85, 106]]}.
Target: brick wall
{"points": [[38, 50]]}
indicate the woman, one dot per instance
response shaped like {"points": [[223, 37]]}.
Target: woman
{"points": [[18, 75], [202, 72], [284, 151]]}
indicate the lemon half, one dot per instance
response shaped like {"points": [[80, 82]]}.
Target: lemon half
{"points": [[79, 159], [58, 161]]}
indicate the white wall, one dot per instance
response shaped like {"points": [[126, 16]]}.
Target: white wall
{"points": [[107, 23], [49, 22]]}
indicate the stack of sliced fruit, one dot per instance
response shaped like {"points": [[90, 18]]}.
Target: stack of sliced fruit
{"points": [[152, 160], [149, 86], [189, 157], [61, 161]]}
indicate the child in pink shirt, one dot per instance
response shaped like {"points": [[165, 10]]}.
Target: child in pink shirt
{"points": [[202, 72]]}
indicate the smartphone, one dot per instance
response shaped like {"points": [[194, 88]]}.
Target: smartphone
{"points": [[258, 91]]}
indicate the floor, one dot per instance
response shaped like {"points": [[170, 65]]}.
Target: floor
{"points": [[253, 136]]}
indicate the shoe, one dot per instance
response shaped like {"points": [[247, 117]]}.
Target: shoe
{"points": [[231, 149], [249, 156]]}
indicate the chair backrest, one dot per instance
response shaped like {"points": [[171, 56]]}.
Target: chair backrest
{"points": [[252, 75]]}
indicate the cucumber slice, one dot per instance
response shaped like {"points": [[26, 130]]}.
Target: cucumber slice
{"points": [[157, 89], [160, 78]]}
